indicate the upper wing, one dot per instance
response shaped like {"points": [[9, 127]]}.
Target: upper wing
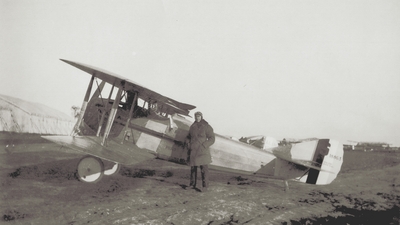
{"points": [[172, 106]]}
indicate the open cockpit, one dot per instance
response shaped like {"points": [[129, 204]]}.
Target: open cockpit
{"points": [[122, 105], [260, 141]]}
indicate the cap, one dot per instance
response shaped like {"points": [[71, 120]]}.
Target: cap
{"points": [[198, 114]]}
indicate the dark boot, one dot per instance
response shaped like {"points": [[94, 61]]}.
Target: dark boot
{"points": [[193, 176], [204, 177]]}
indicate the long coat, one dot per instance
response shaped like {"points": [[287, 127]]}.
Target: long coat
{"points": [[201, 136]]}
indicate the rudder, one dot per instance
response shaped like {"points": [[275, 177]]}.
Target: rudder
{"points": [[329, 155]]}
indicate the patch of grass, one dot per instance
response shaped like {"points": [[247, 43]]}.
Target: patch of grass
{"points": [[239, 180], [43, 172], [167, 174], [13, 215], [138, 173], [16, 173], [355, 216]]}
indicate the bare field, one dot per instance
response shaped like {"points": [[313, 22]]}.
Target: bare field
{"points": [[38, 186]]}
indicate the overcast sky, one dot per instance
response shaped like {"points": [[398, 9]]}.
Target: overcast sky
{"points": [[294, 69]]}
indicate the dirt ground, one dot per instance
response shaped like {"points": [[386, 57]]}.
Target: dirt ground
{"points": [[39, 186]]}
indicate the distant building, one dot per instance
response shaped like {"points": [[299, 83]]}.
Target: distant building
{"points": [[349, 145], [372, 146]]}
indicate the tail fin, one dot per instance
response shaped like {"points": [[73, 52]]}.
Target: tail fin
{"points": [[329, 157], [313, 162]]}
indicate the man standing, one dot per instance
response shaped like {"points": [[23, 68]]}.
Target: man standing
{"points": [[201, 136]]}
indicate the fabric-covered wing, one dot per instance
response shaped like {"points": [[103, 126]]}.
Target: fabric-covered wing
{"points": [[172, 105], [113, 152]]}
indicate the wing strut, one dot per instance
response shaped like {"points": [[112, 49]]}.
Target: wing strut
{"points": [[83, 108], [112, 116], [130, 116], [98, 90], [104, 112]]}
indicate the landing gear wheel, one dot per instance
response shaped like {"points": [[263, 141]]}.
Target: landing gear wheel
{"points": [[115, 169], [90, 169]]}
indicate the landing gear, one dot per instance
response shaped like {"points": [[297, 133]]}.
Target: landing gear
{"points": [[114, 169], [90, 169]]}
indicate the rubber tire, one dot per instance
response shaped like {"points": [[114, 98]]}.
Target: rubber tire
{"points": [[90, 169]]}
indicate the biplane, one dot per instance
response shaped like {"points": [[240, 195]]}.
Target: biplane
{"points": [[124, 123]]}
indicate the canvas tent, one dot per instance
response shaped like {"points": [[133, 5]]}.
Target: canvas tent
{"points": [[20, 116]]}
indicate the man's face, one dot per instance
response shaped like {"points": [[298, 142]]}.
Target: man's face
{"points": [[198, 118]]}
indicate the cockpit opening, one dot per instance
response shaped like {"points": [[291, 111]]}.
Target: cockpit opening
{"points": [[260, 141]]}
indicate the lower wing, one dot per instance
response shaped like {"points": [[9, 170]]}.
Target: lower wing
{"points": [[115, 152]]}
